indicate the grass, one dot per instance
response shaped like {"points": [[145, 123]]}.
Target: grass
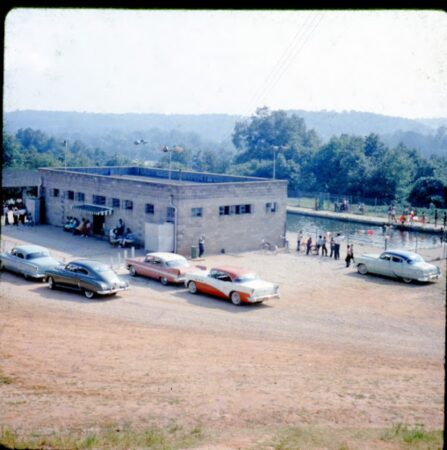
{"points": [[399, 436], [175, 437], [111, 437]]}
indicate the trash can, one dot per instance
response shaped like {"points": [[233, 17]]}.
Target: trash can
{"points": [[193, 251]]}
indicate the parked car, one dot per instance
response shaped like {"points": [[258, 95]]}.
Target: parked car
{"points": [[163, 266], [29, 260], [89, 277], [407, 266], [237, 284]]}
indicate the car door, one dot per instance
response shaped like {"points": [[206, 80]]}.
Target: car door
{"points": [[382, 264], [85, 279], [9, 261], [221, 283], [154, 267], [398, 267], [19, 262], [67, 276]]}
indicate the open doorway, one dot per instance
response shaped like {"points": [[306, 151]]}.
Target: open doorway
{"points": [[98, 224]]}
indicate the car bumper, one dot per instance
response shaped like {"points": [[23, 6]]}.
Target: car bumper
{"points": [[262, 298], [112, 291], [432, 277]]}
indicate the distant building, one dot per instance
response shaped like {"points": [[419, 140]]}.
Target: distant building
{"points": [[169, 210]]}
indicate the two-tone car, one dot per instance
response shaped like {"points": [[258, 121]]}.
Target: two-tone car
{"points": [[163, 266], [88, 276], [31, 261], [405, 265], [234, 283]]}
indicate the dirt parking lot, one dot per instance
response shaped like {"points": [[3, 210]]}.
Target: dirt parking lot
{"points": [[338, 351]]}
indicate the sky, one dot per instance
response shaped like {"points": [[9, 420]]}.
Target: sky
{"points": [[230, 62]]}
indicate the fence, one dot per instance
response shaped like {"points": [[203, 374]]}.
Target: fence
{"points": [[356, 204]]}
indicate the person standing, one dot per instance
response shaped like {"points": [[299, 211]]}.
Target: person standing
{"points": [[319, 243], [423, 218], [332, 245], [444, 219], [323, 247], [5, 213], [16, 215], [436, 218], [349, 255], [337, 242], [299, 238], [201, 245], [308, 245]]}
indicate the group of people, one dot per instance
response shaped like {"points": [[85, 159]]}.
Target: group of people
{"points": [[120, 235], [15, 213], [341, 206], [77, 227], [322, 243], [411, 216]]}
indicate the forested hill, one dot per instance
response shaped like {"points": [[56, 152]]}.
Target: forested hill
{"points": [[109, 131]]}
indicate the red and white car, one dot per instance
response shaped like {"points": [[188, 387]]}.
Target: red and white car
{"points": [[163, 266], [237, 284]]}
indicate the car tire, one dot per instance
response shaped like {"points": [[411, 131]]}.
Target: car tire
{"points": [[51, 283], [89, 294], [362, 269], [235, 298], [192, 287], [164, 281], [132, 271], [407, 280]]}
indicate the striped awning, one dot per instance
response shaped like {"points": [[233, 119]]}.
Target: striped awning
{"points": [[95, 210]]}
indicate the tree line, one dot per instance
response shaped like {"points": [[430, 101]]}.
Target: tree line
{"points": [[345, 165]]}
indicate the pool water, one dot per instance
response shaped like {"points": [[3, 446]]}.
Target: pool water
{"points": [[371, 235]]}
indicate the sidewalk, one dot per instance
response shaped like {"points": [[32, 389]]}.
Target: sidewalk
{"points": [[372, 220]]}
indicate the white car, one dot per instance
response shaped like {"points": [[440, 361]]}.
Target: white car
{"points": [[238, 285], [407, 266]]}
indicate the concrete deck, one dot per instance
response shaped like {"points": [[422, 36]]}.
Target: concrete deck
{"points": [[365, 219]]}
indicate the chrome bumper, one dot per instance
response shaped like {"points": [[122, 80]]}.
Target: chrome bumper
{"points": [[262, 298]]}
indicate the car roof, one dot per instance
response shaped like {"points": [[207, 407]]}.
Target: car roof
{"points": [[31, 248], [166, 256], [89, 263], [402, 253], [233, 271]]}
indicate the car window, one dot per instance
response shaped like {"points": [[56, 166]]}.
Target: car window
{"points": [[177, 263], [14, 252], [70, 267], [224, 277], [148, 259], [396, 259], [82, 271], [385, 257], [37, 255], [20, 255]]}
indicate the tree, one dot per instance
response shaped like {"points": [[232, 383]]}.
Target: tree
{"points": [[428, 190]]}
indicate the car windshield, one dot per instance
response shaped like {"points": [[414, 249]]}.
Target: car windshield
{"points": [[177, 263], [35, 255], [246, 277], [415, 259]]}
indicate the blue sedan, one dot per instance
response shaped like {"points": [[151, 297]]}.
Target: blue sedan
{"points": [[88, 276], [31, 261]]}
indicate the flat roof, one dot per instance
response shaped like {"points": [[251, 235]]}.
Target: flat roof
{"points": [[164, 176]]}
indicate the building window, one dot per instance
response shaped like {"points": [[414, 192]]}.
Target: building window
{"points": [[99, 200], [128, 204], [170, 214], [115, 202], [55, 192], [70, 195], [149, 208], [271, 207], [80, 196], [234, 210], [196, 212]]}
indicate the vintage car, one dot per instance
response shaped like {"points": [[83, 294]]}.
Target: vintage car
{"points": [[89, 277], [29, 260], [407, 266], [163, 266], [237, 284]]}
